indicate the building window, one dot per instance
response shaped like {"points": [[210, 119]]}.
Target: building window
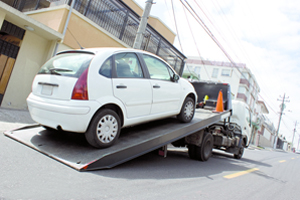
{"points": [[215, 73], [197, 69], [226, 72], [243, 94]]}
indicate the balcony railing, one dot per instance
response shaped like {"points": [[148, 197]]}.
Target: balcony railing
{"points": [[242, 96], [245, 81], [119, 20]]}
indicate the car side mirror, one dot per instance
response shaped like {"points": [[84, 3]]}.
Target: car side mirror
{"points": [[175, 78]]}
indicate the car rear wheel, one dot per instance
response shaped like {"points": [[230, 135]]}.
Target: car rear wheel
{"points": [[104, 129], [187, 110]]}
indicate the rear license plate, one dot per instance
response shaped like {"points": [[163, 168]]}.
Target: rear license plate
{"points": [[47, 90]]}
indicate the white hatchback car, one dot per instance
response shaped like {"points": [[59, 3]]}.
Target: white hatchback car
{"points": [[97, 91]]}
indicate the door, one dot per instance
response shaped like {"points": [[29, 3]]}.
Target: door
{"points": [[130, 86], [10, 39], [6, 66], [166, 92]]}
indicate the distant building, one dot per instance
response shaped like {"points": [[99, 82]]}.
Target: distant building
{"points": [[265, 134], [243, 84]]}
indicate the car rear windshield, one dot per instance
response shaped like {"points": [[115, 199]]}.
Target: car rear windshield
{"points": [[67, 64]]}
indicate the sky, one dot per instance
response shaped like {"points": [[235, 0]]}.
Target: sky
{"points": [[263, 34]]}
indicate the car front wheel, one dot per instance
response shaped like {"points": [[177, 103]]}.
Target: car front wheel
{"points": [[104, 129], [187, 110]]}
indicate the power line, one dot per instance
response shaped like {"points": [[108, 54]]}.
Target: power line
{"points": [[176, 26], [238, 41], [201, 22], [196, 43]]}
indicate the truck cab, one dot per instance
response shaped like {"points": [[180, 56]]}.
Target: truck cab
{"points": [[241, 115]]}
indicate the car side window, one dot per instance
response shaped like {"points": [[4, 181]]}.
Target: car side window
{"points": [[157, 68], [105, 69], [128, 66]]}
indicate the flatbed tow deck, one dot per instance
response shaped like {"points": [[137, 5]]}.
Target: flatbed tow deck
{"points": [[73, 150]]}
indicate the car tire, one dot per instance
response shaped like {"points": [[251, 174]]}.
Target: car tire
{"points": [[187, 110], [104, 129]]}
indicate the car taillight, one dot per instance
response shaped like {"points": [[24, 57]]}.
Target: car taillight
{"points": [[80, 91]]}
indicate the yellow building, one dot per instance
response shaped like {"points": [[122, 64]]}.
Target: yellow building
{"points": [[31, 33]]}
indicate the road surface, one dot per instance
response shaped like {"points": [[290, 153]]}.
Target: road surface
{"points": [[260, 174]]}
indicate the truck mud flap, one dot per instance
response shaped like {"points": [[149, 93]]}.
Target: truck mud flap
{"points": [[72, 149]]}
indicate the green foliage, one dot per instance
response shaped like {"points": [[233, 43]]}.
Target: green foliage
{"points": [[190, 75]]}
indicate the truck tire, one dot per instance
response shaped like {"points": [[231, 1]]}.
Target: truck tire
{"points": [[205, 150], [241, 152], [187, 110], [104, 129]]}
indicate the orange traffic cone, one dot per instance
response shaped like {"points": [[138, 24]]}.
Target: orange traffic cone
{"points": [[219, 107]]}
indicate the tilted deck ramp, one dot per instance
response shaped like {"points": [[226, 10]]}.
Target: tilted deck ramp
{"points": [[73, 150]]}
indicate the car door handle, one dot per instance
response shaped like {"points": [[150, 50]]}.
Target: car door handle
{"points": [[156, 86], [121, 86]]}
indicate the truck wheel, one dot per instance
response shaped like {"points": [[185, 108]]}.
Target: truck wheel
{"points": [[104, 129], [241, 152], [205, 150], [187, 110]]}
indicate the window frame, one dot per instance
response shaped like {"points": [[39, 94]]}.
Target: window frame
{"points": [[215, 75], [168, 68], [111, 66], [114, 70], [225, 74]]}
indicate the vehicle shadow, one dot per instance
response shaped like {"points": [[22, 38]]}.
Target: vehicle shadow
{"points": [[178, 165]]}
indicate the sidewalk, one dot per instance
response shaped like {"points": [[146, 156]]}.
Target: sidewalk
{"points": [[12, 118], [253, 147]]}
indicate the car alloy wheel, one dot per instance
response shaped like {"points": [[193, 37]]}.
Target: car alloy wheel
{"points": [[107, 128], [187, 111]]}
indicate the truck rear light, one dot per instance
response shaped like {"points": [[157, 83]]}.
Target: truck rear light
{"points": [[80, 91]]}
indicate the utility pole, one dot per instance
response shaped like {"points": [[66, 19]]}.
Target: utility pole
{"points": [[282, 107], [142, 27], [298, 143], [294, 134]]}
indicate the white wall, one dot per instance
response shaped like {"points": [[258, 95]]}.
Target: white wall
{"points": [[33, 53], [267, 134]]}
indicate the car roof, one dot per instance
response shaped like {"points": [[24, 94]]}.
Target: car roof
{"points": [[108, 50]]}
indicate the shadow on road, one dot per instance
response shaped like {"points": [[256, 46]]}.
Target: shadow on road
{"points": [[177, 165]]}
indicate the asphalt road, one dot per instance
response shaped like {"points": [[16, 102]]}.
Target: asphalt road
{"points": [[260, 174]]}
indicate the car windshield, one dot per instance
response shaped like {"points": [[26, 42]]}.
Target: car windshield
{"points": [[67, 64]]}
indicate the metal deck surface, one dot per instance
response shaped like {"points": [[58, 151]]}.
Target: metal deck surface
{"points": [[73, 150]]}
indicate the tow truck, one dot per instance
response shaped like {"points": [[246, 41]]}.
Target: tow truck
{"points": [[208, 129]]}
